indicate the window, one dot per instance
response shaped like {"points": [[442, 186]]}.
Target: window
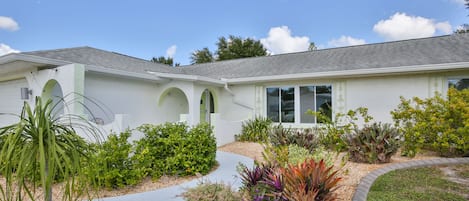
{"points": [[459, 84], [282, 101]]}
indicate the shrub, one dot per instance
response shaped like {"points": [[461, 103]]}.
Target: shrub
{"points": [[297, 154], [331, 132], [174, 149], [280, 136], [255, 130], [111, 165], [207, 191], [437, 123], [374, 143]]}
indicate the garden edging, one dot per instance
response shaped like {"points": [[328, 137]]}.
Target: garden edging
{"points": [[363, 187]]}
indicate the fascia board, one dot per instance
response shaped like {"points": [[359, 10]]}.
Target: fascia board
{"points": [[351, 73]]}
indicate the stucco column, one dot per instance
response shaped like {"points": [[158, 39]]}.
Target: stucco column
{"points": [[194, 106], [72, 81]]}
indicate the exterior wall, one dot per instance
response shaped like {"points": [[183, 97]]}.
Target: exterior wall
{"points": [[11, 102], [137, 100], [237, 106]]}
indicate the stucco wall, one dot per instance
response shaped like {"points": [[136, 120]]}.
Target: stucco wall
{"points": [[10, 100], [111, 95]]}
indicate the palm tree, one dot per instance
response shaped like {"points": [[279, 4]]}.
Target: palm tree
{"points": [[40, 148]]}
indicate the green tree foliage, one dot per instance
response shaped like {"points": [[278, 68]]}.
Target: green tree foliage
{"points": [[202, 56], [40, 148], [164, 60], [237, 47], [230, 48], [437, 123], [465, 27]]}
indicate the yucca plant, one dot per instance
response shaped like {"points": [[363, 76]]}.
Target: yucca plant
{"points": [[374, 143], [309, 180], [39, 148]]}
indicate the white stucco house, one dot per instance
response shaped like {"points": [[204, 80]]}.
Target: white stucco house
{"points": [[124, 92]]}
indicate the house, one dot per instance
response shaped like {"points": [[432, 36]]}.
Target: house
{"points": [[122, 91]]}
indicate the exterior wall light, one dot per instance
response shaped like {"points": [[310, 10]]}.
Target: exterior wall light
{"points": [[25, 92]]}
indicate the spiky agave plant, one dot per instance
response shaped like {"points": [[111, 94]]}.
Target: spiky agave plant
{"points": [[39, 147]]}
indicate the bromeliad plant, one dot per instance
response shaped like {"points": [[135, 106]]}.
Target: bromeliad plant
{"points": [[40, 148], [374, 143]]}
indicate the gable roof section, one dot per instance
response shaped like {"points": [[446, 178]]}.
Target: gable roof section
{"points": [[104, 59], [415, 52]]}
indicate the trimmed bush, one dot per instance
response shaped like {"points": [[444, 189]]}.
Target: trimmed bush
{"points": [[437, 123], [255, 130], [175, 149], [112, 166], [374, 143]]}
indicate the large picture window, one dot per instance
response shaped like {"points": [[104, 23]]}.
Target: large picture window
{"points": [[282, 102]]}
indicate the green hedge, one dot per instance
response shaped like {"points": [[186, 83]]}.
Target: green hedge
{"points": [[175, 149]]}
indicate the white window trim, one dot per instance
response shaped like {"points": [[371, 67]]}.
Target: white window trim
{"points": [[297, 123]]}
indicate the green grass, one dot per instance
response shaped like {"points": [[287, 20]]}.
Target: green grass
{"points": [[427, 183]]}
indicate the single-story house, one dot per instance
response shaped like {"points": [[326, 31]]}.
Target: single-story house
{"points": [[124, 92]]}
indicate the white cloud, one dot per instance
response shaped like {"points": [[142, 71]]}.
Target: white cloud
{"points": [[8, 23], [171, 51], [5, 49], [280, 40], [402, 26], [345, 41], [462, 2]]}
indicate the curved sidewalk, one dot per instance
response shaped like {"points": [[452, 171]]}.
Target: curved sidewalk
{"points": [[363, 187], [226, 173]]}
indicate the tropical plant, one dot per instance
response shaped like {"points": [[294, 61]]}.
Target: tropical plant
{"points": [[40, 148], [374, 143], [436, 123], [297, 154], [255, 130]]}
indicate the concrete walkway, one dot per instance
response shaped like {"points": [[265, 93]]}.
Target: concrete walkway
{"points": [[225, 173], [364, 187]]}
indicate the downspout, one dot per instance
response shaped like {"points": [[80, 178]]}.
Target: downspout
{"points": [[234, 98]]}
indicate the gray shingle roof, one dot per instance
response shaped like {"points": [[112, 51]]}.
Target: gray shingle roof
{"points": [[102, 58], [435, 50]]}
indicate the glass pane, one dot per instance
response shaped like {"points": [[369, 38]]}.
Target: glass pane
{"points": [[288, 104], [324, 100], [307, 103], [272, 104], [459, 84]]}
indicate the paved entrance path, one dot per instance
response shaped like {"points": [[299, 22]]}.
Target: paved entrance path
{"points": [[364, 187], [226, 173]]}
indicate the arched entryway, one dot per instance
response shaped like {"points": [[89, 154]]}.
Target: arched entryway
{"points": [[172, 103], [52, 90], [207, 105]]}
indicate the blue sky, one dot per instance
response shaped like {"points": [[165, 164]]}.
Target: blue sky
{"points": [[176, 28]]}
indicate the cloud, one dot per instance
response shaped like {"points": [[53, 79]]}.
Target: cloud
{"points": [[462, 2], [401, 26], [345, 41], [8, 23], [5, 49], [280, 40], [171, 51]]}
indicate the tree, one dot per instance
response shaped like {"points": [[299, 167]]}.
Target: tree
{"points": [[312, 47], [237, 47], [164, 60], [37, 150], [465, 27], [231, 48], [202, 56]]}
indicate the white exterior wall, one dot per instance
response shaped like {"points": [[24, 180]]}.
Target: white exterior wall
{"points": [[240, 105], [381, 95], [10, 99], [137, 100]]}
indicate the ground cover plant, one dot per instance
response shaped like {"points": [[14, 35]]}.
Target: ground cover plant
{"points": [[427, 183], [208, 191]]}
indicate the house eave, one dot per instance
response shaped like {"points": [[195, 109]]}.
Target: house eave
{"points": [[191, 78], [351, 73]]}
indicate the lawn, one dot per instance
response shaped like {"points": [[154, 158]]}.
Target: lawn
{"points": [[427, 183]]}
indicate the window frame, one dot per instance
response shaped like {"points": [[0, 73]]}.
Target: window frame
{"points": [[297, 102]]}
